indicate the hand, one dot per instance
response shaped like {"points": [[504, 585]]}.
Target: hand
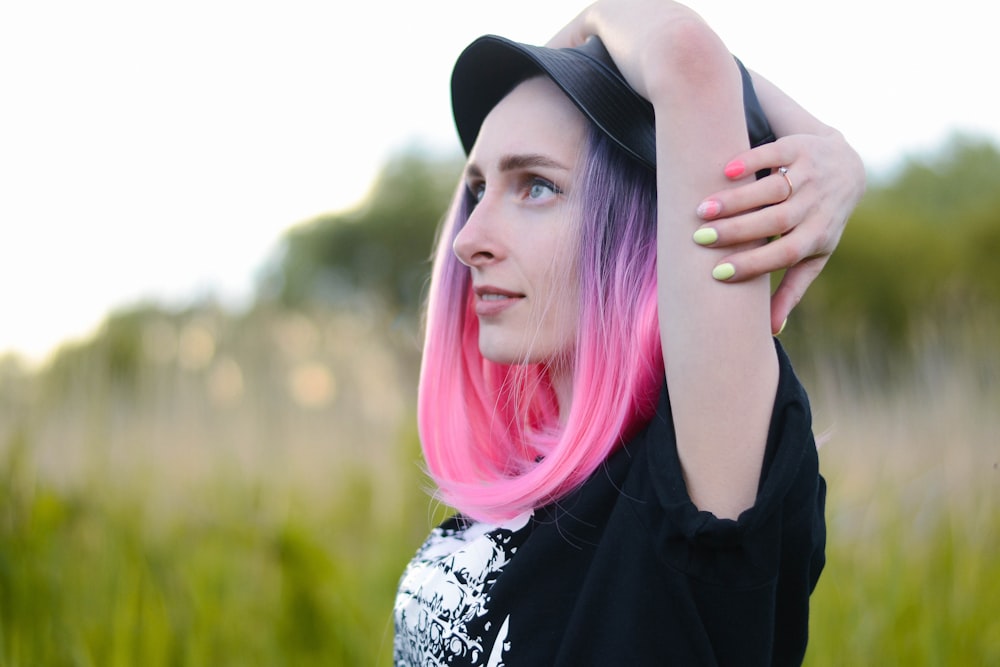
{"points": [[827, 179]]}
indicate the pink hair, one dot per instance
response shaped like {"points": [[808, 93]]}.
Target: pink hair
{"points": [[491, 433]]}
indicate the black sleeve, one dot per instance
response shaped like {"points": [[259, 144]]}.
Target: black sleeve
{"points": [[751, 577]]}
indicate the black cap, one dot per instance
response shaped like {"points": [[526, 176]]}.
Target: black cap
{"points": [[492, 66]]}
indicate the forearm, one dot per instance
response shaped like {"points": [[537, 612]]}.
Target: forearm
{"points": [[785, 115]]}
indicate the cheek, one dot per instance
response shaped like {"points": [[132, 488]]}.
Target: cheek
{"points": [[566, 274], [569, 311], [564, 314]]}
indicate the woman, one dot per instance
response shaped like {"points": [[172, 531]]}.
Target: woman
{"points": [[604, 520]]}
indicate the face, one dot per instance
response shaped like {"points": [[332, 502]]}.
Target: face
{"points": [[520, 243]]}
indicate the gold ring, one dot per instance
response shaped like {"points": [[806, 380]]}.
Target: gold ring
{"points": [[784, 172]]}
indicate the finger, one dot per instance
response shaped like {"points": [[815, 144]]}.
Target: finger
{"points": [[791, 289], [572, 34], [786, 252], [760, 225], [772, 189], [766, 156], [565, 38]]}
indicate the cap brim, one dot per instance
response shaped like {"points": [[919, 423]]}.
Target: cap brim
{"points": [[492, 66]]}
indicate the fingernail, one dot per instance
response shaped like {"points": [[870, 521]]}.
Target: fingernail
{"points": [[705, 236], [782, 327], [709, 209], [724, 271], [735, 169]]}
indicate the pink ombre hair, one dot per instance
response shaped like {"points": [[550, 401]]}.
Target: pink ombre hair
{"points": [[491, 433]]}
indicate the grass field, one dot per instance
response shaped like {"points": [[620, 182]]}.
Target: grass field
{"points": [[249, 495], [913, 515]]}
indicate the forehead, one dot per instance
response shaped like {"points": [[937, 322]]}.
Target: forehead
{"points": [[536, 116]]}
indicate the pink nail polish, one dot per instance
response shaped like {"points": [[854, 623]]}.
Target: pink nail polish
{"points": [[708, 209], [735, 169]]}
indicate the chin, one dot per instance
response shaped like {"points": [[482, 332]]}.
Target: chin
{"points": [[503, 349], [500, 355]]}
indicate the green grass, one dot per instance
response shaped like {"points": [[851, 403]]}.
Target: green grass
{"points": [[242, 575], [912, 576], [162, 526]]}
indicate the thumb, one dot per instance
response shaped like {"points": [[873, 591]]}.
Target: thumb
{"points": [[573, 33], [792, 288]]}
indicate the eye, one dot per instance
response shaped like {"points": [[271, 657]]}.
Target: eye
{"points": [[540, 188], [477, 190]]}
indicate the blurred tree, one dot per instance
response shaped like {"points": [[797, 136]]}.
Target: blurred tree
{"points": [[110, 358], [921, 247], [379, 250], [951, 184]]}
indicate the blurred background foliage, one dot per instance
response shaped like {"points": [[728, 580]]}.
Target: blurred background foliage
{"points": [[380, 250], [921, 247], [198, 485]]}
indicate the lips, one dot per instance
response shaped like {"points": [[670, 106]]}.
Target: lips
{"points": [[492, 300], [490, 292]]}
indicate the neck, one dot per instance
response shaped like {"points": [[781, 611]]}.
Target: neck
{"points": [[561, 377]]}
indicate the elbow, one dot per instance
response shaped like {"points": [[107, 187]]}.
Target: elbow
{"points": [[691, 57]]}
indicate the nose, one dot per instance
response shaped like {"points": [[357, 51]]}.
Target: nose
{"points": [[477, 242]]}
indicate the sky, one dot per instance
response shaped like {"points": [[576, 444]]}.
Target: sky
{"points": [[159, 150]]}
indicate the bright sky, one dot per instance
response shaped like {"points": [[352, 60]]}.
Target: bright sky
{"points": [[160, 149]]}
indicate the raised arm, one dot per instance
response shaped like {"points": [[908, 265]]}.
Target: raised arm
{"points": [[720, 361]]}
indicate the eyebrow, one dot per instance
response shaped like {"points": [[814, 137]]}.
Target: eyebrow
{"points": [[518, 161]]}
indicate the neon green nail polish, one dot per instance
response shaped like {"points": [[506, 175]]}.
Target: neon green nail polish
{"points": [[706, 236], [724, 271], [782, 328]]}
